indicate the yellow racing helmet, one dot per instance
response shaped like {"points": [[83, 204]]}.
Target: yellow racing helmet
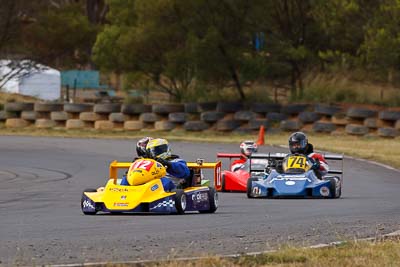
{"points": [[158, 148]]}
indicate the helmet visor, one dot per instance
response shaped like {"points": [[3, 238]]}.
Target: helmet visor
{"points": [[158, 150], [298, 145]]}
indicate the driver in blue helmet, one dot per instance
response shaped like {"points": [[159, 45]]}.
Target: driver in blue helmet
{"points": [[159, 150]]}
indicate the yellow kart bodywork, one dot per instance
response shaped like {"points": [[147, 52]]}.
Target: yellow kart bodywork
{"points": [[114, 197]]}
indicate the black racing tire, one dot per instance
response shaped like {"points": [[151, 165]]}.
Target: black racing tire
{"points": [[178, 117], [356, 129], [211, 116], [309, 117], [324, 127], [329, 110], [276, 117], [265, 107], [196, 126], [82, 199], [149, 117], [388, 115], [229, 107], [332, 187], [206, 106], [257, 123], [223, 183], [294, 109], [165, 109], [135, 109], [107, 108], [164, 126], [290, 125], [361, 113], [77, 108], [48, 107], [180, 201], [18, 106], [249, 188], [245, 115], [191, 108], [388, 132], [227, 125], [213, 198]]}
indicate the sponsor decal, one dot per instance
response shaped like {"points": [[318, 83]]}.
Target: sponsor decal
{"points": [[200, 196], [324, 191], [139, 171], [123, 197], [256, 190], [121, 204], [115, 189], [154, 187], [87, 204], [159, 165], [156, 171], [290, 183], [166, 203]]}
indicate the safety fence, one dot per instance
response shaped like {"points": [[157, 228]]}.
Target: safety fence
{"points": [[209, 116]]}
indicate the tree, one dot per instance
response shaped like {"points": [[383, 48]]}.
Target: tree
{"points": [[60, 37], [9, 23], [382, 39], [293, 39]]}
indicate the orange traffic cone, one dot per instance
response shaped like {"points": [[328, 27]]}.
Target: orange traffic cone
{"points": [[261, 133]]}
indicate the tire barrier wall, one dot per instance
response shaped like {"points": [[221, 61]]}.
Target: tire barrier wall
{"points": [[210, 116]]}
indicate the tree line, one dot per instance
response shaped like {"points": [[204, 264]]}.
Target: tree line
{"points": [[182, 45]]}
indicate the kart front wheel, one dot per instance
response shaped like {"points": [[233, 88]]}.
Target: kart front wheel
{"points": [[180, 201], [249, 187], [333, 188], [83, 199]]}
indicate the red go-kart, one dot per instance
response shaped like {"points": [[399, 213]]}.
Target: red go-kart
{"points": [[236, 180]]}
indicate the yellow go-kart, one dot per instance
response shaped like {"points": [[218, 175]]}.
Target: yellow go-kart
{"points": [[147, 193]]}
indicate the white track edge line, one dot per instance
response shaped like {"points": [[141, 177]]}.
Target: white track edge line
{"points": [[322, 245]]}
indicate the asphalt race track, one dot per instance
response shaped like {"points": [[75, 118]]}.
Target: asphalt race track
{"points": [[41, 222]]}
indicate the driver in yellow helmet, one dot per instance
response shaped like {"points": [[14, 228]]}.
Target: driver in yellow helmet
{"points": [[159, 150]]}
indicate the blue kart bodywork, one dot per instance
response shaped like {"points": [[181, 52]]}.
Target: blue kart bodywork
{"points": [[274, 184]]}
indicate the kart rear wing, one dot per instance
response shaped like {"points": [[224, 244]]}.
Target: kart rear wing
{"points": [[195, 166], [280, 156], [114, 166], [200, 164]]}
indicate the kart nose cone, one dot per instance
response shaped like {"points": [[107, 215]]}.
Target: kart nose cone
{"points": [[290, 187]]}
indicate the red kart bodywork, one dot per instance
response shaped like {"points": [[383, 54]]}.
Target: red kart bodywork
{"points": [[233, 181]]}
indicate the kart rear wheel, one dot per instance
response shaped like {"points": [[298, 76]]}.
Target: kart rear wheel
{"points": [[213, 199], [249, 187], [180, 201], [83, 199]]}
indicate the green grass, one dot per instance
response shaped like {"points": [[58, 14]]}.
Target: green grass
{"points": [[350, 254]]}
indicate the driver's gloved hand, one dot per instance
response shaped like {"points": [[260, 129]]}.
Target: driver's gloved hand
{"points": [[164, 162], [279, 166], [271, 163], [315, 164]]}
